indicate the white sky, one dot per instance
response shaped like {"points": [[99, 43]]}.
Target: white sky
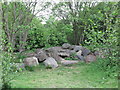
{"points": [[46, 13]]}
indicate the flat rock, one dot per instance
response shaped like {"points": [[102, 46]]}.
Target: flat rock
{"points": [[68, 62], [63, 54]]}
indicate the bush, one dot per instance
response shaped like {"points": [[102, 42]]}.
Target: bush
{"points": [[105, 38], [30, 68], [7, 61], [54, 33]]}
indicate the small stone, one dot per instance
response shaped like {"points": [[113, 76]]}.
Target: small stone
{"points": [[77, 48]]}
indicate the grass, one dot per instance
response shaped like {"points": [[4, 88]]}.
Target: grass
{"points": [[75, 76]]}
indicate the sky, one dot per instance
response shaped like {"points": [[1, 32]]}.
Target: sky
{"points": [[46, 13]]}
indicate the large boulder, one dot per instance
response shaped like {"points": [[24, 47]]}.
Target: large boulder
{"points": [[31, 61], [66, 46], [41, 55], [50, 62], [51, 52], [77, 48], [68, 62], [85, 51], [90, 58]]}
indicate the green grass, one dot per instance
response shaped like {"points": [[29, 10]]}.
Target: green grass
{"points": [[75, 76]]}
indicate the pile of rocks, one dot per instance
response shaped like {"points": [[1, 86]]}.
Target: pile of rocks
{"points": [[53, 56]]}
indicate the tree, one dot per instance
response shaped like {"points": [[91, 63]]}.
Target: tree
{"points": [[75, 13], [16, 22]]}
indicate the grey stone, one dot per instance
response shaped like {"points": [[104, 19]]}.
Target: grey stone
{"points": [[51, 52], [66, 46], [41, 55], [50, 62], [31, 61], [77, 48], [68, 62]]}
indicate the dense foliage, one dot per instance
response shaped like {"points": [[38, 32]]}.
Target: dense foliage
{"points": [[54, 33], [94, 25]]}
